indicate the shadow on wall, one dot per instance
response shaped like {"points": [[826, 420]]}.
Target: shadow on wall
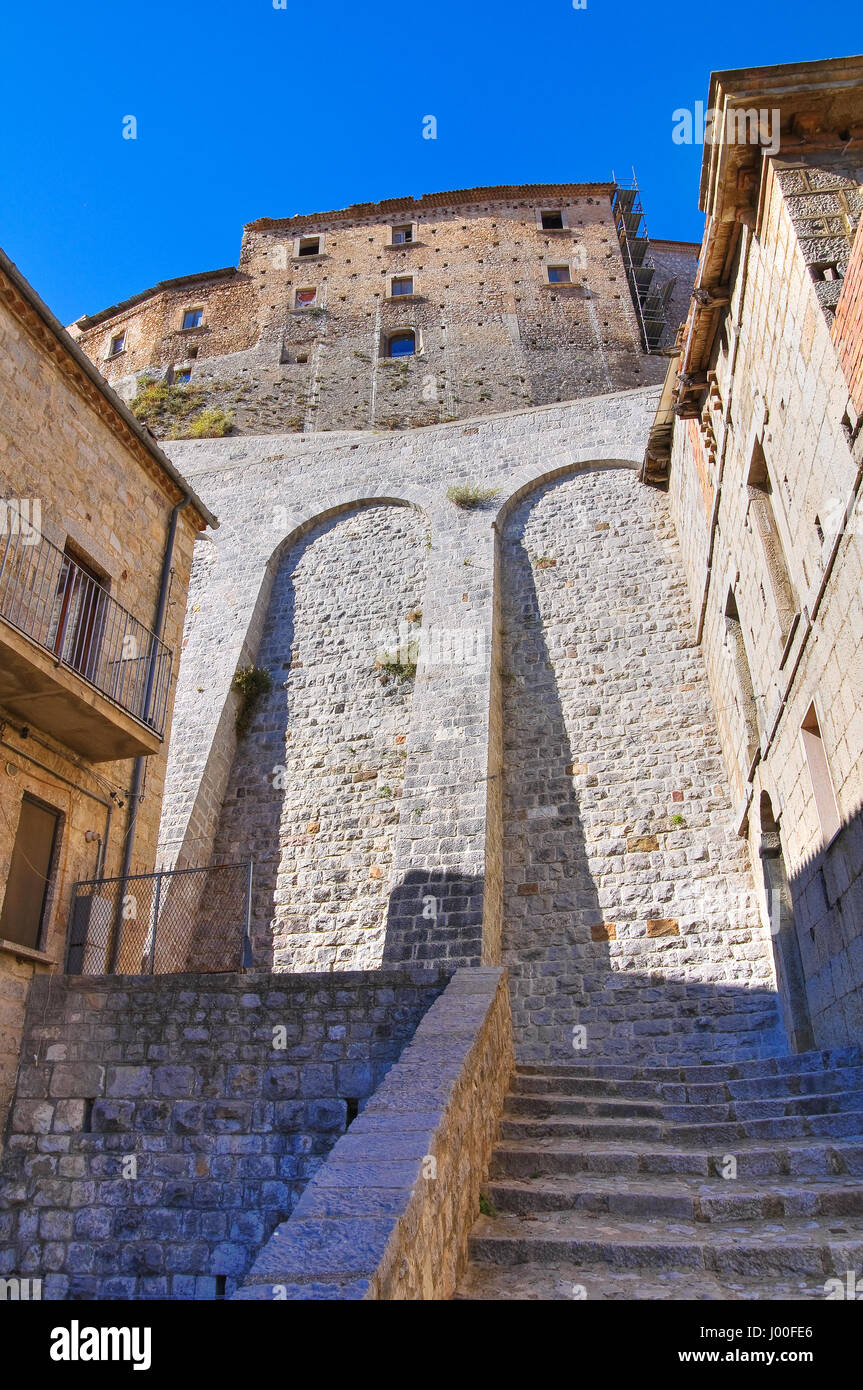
{"points": [[435, 918], [313, 796], [611, 938], [827, 900]]}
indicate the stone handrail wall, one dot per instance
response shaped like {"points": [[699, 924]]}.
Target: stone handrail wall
{"points": [[389, 1214], [164, 1126]]}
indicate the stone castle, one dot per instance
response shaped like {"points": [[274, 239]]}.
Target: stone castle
{"points": [[548, 540]]}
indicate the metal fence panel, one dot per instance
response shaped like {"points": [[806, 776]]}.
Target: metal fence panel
{"points": [[163, 923]]}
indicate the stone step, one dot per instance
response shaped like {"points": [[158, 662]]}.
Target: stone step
{"points": [[528, 1159], [706, 1093], [791, 1064], [692, 1199], [560, 1280], [551, 1106], [774, 1248], [843, 1124]]}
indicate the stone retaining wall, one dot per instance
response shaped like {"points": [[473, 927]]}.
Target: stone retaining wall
{"points": [[167, 1125], [389, 1214]]}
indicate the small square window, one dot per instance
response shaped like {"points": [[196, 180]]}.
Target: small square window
{"points": [[402, 344], [118, 345], [192, 318], [305, 298], [552, 221], [183, 376], [402, 235], [559, 275], [310, 246], [403, 284]]}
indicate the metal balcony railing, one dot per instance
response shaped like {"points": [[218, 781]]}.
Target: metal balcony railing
{"points": [[56, 602]]}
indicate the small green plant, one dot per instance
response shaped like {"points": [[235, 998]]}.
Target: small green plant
{"points": [[400, 664], [677, 818], [470, 495], [251, 682], [209, 424], [486, 1205], [158, 403]]}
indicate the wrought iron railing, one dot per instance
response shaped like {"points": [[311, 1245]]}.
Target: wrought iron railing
{"points": [[163, 923], [47, 595]]}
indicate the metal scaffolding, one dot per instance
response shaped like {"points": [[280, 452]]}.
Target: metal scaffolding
{"points": [[650, 295]]}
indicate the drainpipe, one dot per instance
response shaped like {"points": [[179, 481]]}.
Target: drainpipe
{"points": [[140, 762]]}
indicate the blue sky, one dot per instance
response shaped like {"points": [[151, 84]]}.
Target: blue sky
{"points": [[244, 110]]}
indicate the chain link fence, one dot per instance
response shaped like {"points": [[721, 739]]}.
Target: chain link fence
{"points": [[163, 923]]}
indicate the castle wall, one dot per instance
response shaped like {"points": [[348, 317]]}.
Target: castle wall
{"points": [[475, 720], [315, 791], [493, 334], [628, 905], [779, 388], [447, 842]]}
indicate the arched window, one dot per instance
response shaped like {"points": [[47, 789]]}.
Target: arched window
{"points": [[402, 344]]}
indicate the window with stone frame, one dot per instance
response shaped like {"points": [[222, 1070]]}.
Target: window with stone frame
{"points": [[117, 344], [559, 275], [192, 318], [402, 284], [551, 221], [402, 344], [819, 773], [305, 299], [403, 235]]}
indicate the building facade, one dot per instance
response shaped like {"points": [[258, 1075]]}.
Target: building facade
{"points": [[98, 531], [758, 441]]}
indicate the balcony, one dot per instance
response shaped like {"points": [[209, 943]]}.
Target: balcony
{"points": [[73, 661]]}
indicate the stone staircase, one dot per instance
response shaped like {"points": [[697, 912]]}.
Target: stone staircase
{"points": [[614, 1181]]}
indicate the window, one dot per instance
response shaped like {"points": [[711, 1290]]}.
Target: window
{"points": [[192, 318], [182, 376], [403, 284], [118, 345], [78, 616], [304, 299], [743, 676], [309, 246], [819, 772], [761, 508], [552, 221], [559, 275], [30, 874], [402, 344], [403, 235]]}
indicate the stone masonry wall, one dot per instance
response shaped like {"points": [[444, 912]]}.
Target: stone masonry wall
{"points": [[441, 883], [389, 1215], [315, 791], [163, 1127], [628, 906]]}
